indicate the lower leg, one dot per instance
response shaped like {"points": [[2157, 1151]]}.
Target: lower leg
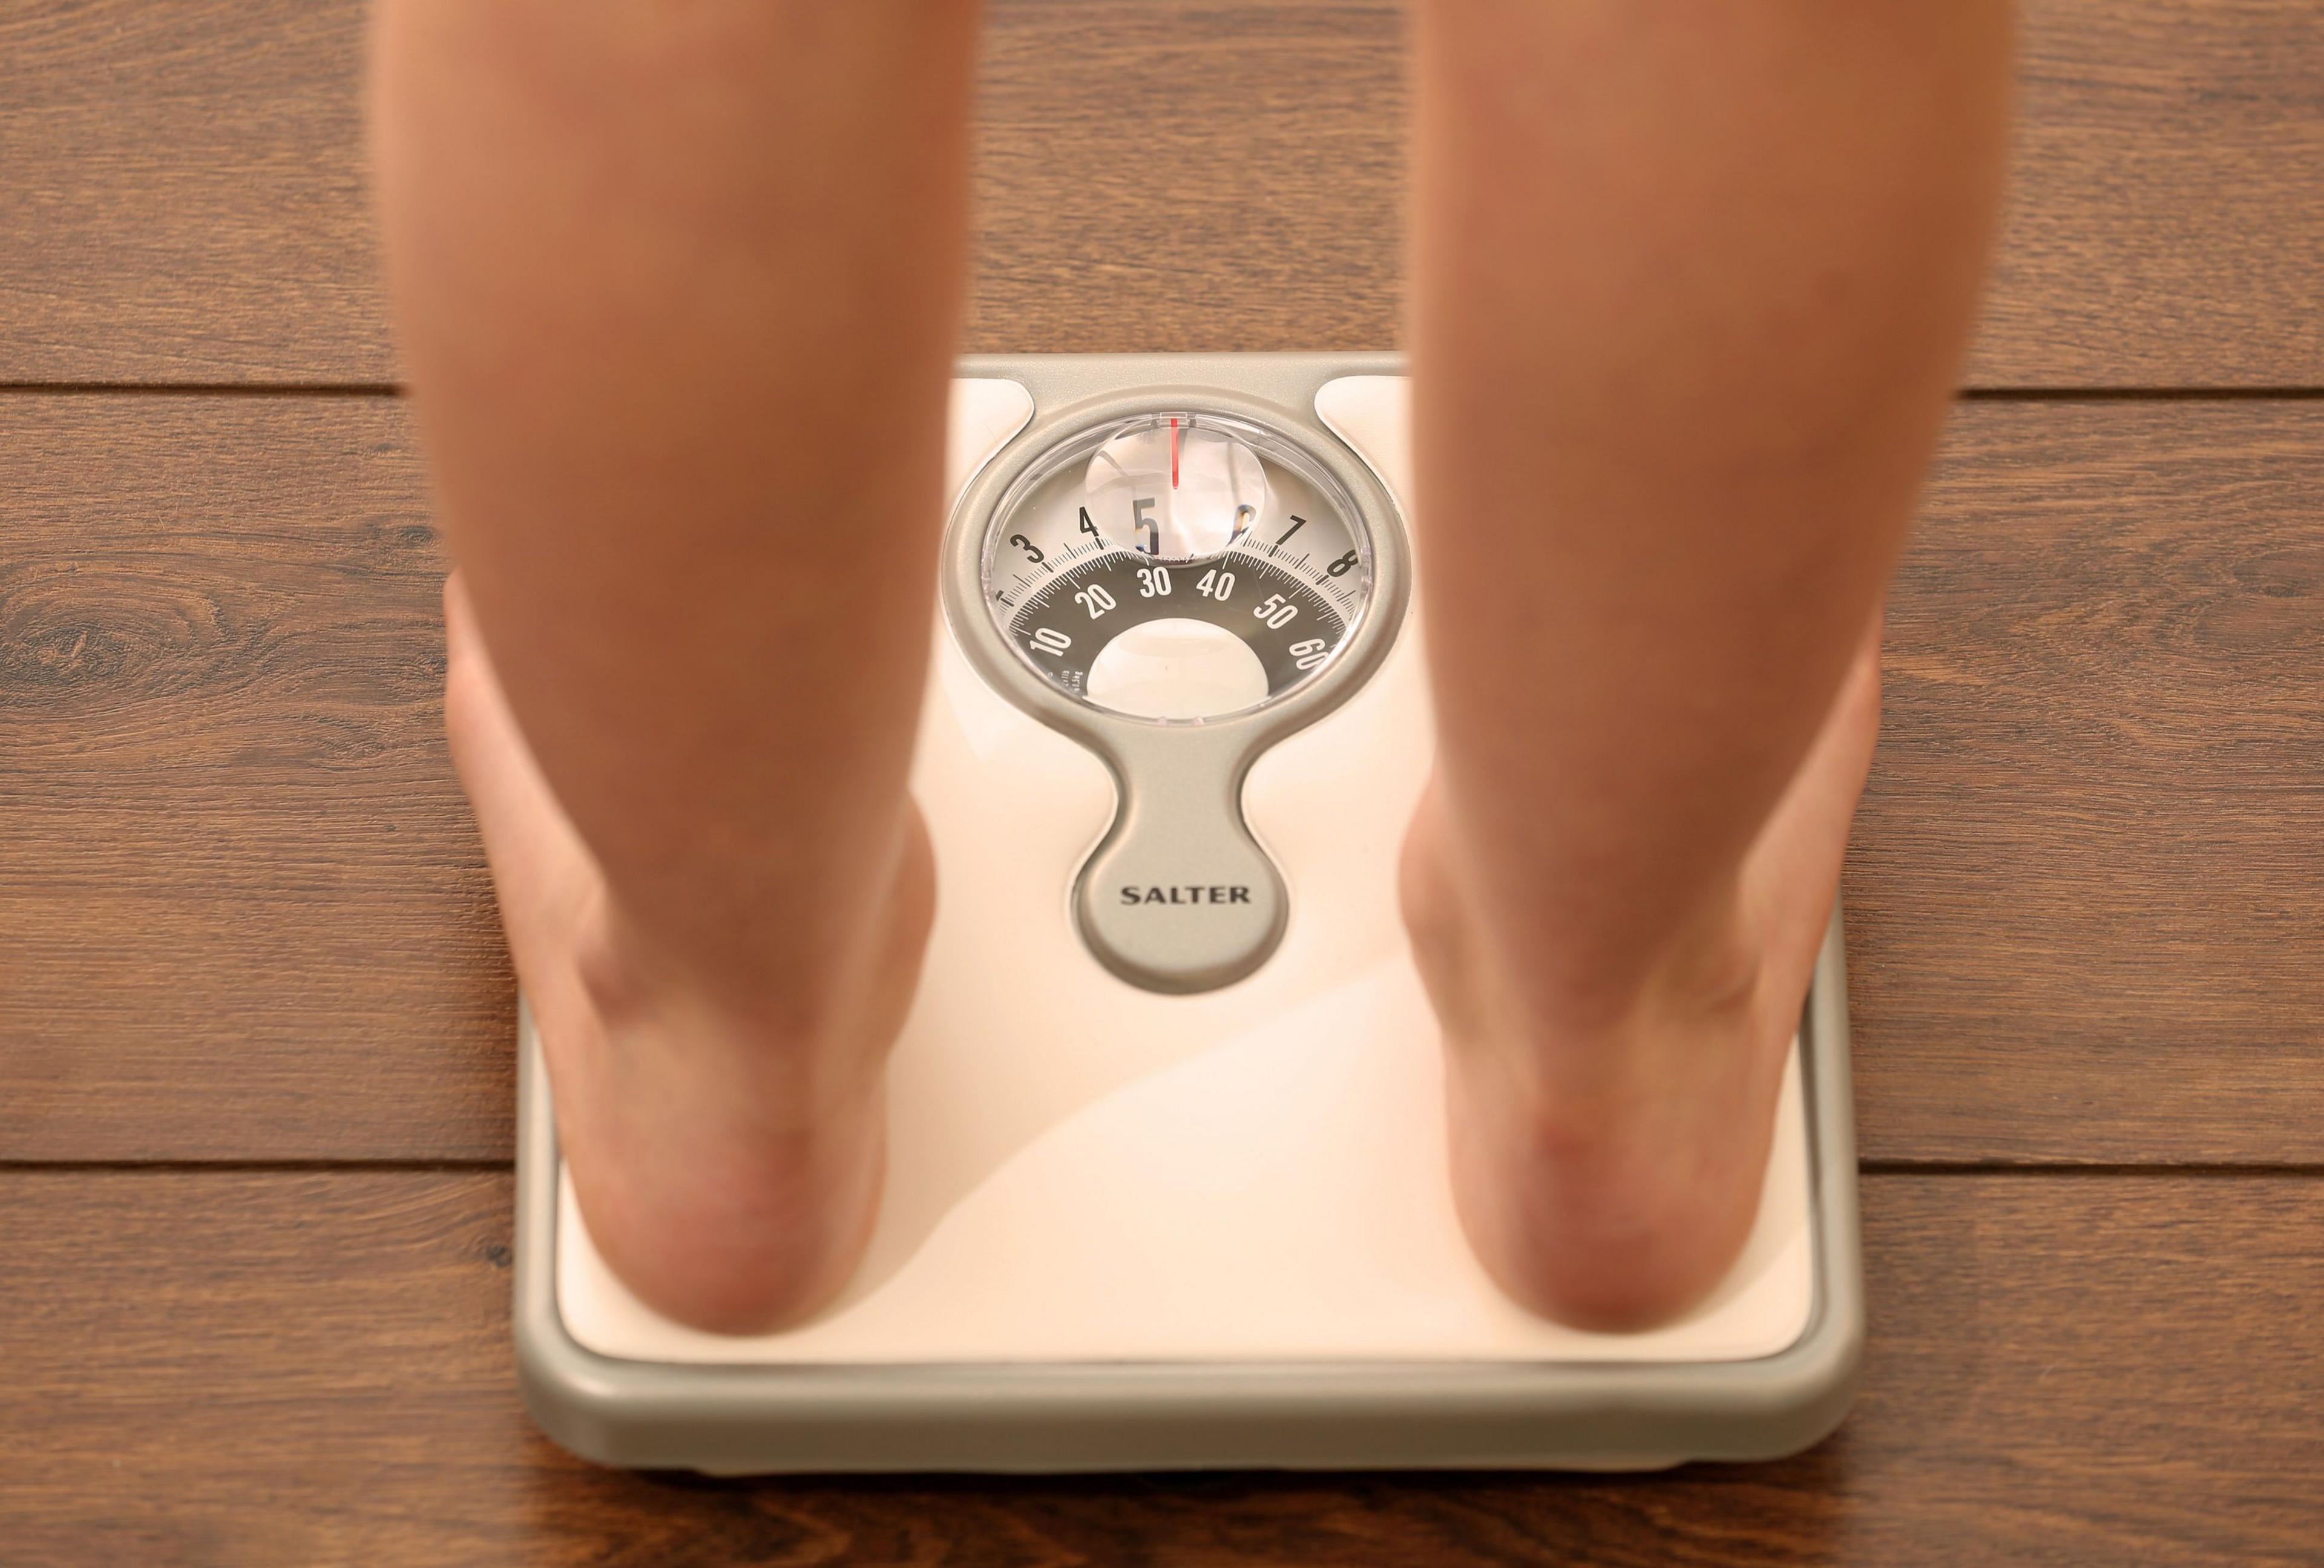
{"points": [[1692, 284], [678, 288]]}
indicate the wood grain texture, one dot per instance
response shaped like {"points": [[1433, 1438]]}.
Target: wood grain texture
{"points": [[245, 916], [2083, 903], [1194, 175], [2164, 225], [257, 1369], [243, 910], [183, 193], [181, 190]]}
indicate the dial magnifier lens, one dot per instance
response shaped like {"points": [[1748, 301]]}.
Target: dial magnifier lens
{"points": [[1176, 669], [1175, 489]]}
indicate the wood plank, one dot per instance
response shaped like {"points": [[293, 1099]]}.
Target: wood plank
{"points": [[1199, 175], [257, 1369], [183, 197], [243, 909], [2082, 902], [2166, 216], [181, 194], [245, 917]]}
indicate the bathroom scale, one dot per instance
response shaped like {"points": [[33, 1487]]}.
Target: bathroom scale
{"points": [[1167, 1179]]}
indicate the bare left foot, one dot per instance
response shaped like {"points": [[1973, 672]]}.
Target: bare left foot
{"points": [[1607, 1154]]}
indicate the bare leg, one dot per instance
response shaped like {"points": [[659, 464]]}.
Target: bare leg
{"points": [[1691, 285], [679, 287]]}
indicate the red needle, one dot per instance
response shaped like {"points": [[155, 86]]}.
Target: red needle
{"points": [[1174, 453]]}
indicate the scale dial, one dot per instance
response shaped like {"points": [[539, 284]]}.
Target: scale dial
{"points": [[1176, 566], [1176, 588]]}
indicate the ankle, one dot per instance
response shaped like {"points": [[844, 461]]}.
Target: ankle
{"points": [[797, 984], [1550, 973], [806, 1054]]}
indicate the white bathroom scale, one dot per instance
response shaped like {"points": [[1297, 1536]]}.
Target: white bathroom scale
{"points": [[1167, 1179]]}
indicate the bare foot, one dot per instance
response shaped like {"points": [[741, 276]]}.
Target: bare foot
{"points": [[1608, 1159], [726, 1152]]}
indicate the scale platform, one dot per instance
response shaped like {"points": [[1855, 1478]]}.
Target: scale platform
{"points": [[1167, 1176]]}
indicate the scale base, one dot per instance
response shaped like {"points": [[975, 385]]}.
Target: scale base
{"points": [[1127, 1230]]}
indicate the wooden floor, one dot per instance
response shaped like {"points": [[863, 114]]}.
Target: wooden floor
{"points": [[256, 1023]]}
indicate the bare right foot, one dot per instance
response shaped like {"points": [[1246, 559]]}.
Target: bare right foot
{"points": [[726, 1149], [679, 288], [1608, 1152]]}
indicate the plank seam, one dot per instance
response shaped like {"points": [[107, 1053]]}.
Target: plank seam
{"points": [[261, 1167], [2139, 394], [2059, 1167], [1869, 1167], [230, 389], [1980, 394]]}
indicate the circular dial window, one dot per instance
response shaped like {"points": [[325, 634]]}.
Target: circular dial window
{"points": [[1176, 566]]}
